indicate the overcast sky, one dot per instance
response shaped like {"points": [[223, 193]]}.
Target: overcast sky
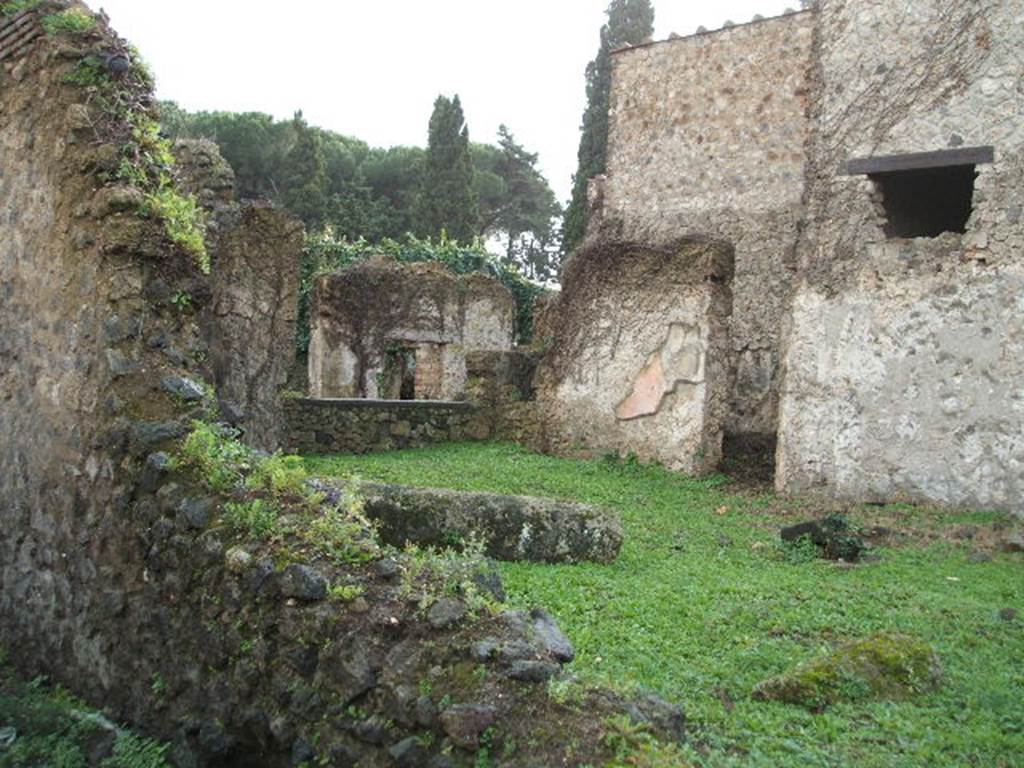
{"points": [[372, 68]]}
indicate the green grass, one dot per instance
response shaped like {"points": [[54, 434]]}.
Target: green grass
{"points": [[703, 604]]}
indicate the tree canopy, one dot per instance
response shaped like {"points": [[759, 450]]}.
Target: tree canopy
{"points": [[340, 185]]}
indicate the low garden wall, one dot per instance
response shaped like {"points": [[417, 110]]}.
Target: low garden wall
{"points": [[314, 425]]}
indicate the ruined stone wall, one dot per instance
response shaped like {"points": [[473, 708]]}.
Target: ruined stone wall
{"points": [[253, 312], [708, 136], [366, 317], [903, 358], [121, 575], [638, 364], [362, 426], [249, 318]]}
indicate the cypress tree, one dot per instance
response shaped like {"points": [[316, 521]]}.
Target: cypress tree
{"points": [[446, 200], [630, 22]]}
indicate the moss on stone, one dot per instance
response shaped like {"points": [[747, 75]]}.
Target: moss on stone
{"points": [[885, 665]]}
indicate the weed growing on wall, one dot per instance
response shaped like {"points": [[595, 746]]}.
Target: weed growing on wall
{"points": [[124, 117], [73, 21], [14, 7]]}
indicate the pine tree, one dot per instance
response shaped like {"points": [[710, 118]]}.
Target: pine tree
{"points": [[305, 176], [630, 22], [446, 200]]}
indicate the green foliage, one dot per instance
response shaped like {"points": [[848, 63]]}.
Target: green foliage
{"points": [[258, 518], [279, 474], [800, 551], [184, 221], [215, 456], [342, 532], [517, 206], [88, 73], [345, 593], [629, 22], [73, 21], [55, 730], [146, 158], [325, 254], [14, 7], [131, 751], [706, 623], [635, 747], [447, 204], [455, 571]]}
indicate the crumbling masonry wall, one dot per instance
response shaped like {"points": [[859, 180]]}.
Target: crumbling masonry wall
{"points": [[904, 357], [379, 322], [707, 135], [637, 361], [120, 574]]}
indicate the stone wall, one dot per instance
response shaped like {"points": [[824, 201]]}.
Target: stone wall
{"points": [[903, 357], [381, 329], [638, 359], [707, 136], [253, 313], [362, 426], [122, 576]]}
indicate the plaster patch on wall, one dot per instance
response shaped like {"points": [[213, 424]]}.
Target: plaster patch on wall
{"points": [[678, 360]]}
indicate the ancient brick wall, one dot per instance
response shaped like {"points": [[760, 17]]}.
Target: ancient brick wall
{"points": [[904, 356], [708, 136], [637, 361]]}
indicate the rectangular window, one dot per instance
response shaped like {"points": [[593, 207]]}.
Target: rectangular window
{"points": [[924, 194]]}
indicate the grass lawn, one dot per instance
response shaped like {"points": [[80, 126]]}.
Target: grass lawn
{"points": [[703, 603]]}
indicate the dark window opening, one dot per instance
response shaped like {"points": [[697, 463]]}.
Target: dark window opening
{"points": [[926, 202]]}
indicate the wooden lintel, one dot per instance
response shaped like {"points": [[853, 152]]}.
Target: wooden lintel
{"points": [[915, 161]]}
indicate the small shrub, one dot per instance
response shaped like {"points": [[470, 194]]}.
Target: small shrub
{"points": [[342, 535], [214, 454], [88, 73], [184, 222], [431, 573], [345, 592], [73, 21], [257, 517], [279, 474]]}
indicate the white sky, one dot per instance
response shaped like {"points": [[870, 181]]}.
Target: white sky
{"points": [[372, 68]]}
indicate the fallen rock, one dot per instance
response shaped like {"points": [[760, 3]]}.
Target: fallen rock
{"points": [[886, 665], [832, 535], [465, 722]]}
